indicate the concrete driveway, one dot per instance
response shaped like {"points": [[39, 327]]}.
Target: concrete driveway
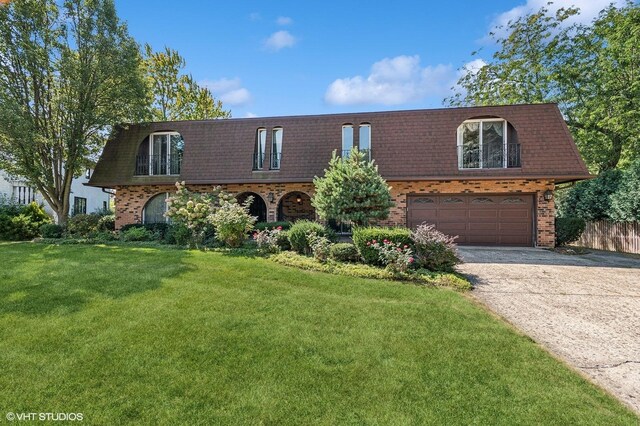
{"points": [[583, 308]]}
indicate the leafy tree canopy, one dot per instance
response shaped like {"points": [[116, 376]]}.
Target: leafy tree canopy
{"points": [[591, 71], [352, 190], [68, 71], [176, 96]]}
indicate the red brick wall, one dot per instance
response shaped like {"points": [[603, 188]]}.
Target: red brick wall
{"points": [[130, 200]]}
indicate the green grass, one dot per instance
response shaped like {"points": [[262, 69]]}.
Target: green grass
{"points": [[161, 336]]}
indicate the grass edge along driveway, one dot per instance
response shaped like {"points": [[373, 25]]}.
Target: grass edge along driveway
{"points": [[149, 335]]}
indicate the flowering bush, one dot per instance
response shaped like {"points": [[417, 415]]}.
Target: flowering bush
{"points": [[193, 210], [232, 221], [434, 250], [397, 257], [320, 246], [268, 239]]}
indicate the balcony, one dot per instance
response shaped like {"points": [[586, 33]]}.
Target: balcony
{"points": [[366, 152], [276, 159], [258, 161], [153, 165], [492, 157]]}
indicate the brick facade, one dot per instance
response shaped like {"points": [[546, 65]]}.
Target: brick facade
{"points": [[130, 200]]}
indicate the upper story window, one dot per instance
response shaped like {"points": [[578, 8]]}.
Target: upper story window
{"points": [[365, 140], [259, 149], [485, 144], [347, 139], [276, 147], [160, 154]]}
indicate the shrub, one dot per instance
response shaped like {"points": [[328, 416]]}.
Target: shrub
{"points": [[21, 222], [362, 236], [433, 249], [299, 235], [83, 225], [283, 241], [590, 199], [232, 221], [397, 257], [320, 246], [107, 223], [177, 234], [625, 203], [344, 252], [158, 230], [261, 226], [267, 240], [137, 233], [568, 230], [51, 230]]}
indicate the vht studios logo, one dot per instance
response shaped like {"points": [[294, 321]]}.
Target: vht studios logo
{"points": [[52, 417]]}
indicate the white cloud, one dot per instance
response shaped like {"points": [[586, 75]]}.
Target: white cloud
{"points": [[589, 9], [393, 81], [250, 115], [229, 91], [280, 40], [284, 20]]}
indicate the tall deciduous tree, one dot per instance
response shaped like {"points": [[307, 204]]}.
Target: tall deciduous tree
{"points": [[67, 74], [352, 190], [591, 71], [176, 96]]}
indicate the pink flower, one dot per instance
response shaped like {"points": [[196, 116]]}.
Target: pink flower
{"points": [[368, 243], [374, 241], [399, 249], [279, 228], [411, 260], [406, 246]]}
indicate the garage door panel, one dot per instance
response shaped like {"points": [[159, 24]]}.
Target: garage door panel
{"points": [[477, 219]]}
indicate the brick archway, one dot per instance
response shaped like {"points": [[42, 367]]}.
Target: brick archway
{"points": [[258, 207], [294, 206]]}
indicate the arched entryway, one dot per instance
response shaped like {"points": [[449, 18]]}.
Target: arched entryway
{"points": [[258, 207], [295, 206]]}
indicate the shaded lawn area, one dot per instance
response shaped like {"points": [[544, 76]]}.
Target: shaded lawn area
{"points": [[124, 334]]}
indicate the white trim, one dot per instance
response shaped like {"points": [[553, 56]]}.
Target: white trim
{"points": [[480, 159]]}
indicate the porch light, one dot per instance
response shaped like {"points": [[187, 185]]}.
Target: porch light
{"points": [[271, 197], [298, 200], [548, 195]]}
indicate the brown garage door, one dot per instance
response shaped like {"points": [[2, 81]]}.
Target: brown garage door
{"points": [[476, 219]]}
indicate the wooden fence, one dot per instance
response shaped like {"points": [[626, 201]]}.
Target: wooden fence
{"points": [[612, 236]]}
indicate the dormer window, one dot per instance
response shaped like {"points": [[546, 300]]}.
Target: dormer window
{"points": [[160, 154], [276, 148], [347, 139], [259, 149], [485, 144], [365, 140]]}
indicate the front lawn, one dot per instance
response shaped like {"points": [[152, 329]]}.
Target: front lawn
{"points": [[154, 335]]}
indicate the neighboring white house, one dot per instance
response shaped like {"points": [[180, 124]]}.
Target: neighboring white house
{"points": [[83, 199]]}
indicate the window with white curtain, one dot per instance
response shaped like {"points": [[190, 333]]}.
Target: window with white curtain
{"points": [[259, 150], [347, 139], [482, 144], [365, 140], [276, 147]]}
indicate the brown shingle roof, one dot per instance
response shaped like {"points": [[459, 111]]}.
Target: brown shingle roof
{"points": [[407, 145]]}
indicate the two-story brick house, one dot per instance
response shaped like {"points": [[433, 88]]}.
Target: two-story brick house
{"points": [[486, 174]]}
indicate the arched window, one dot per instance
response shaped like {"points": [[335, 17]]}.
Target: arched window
{"points": [[160, 153], [487, 143], [365, 140], [259, 149], [347, 139], [155, 209], [276, 147]]}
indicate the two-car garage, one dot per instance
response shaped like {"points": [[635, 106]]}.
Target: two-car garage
{"points": [[477, 219]]}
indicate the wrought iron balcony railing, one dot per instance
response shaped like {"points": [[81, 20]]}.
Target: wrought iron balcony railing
{"points": [[258, 161], [158, 165], [276, 159], [367, 153], [492, 157]]}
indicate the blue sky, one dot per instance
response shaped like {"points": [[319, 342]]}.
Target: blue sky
{"points": [[313, 57]]}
